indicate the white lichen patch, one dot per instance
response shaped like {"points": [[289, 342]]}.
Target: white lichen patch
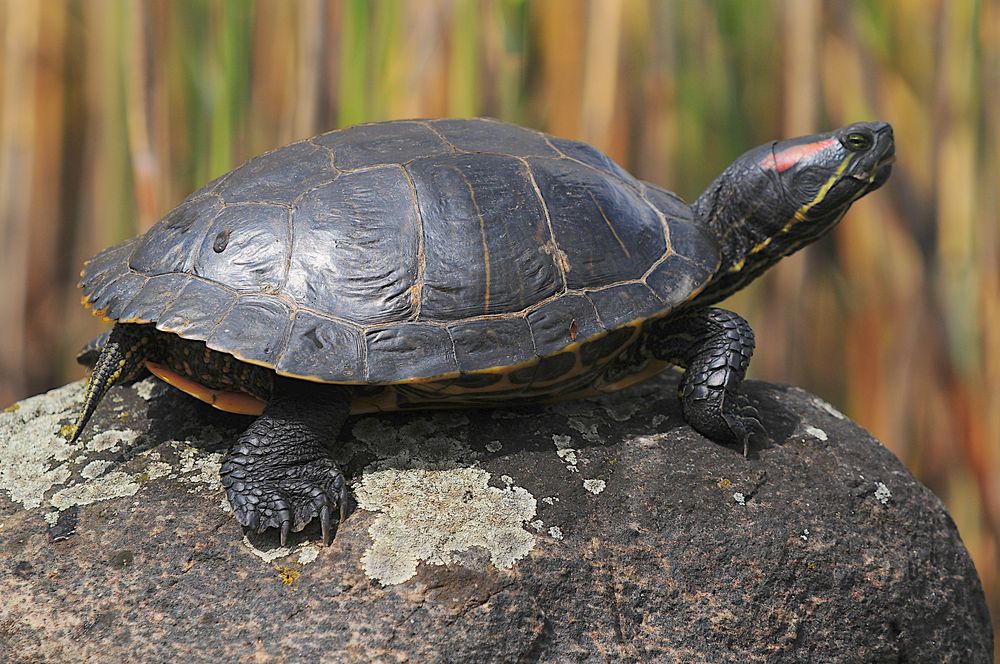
{"points": [[820, 403], [418, 443], [588, 431], [115, 484], [494, 446], [816, 432], [33, 455], [112, 440], [149, 388], [594, 486], [566, 452], [562, 442], [550, 500], [39, 466], [196, 466], [157, 469], [739, 498], [95, 469], [538, 525], [882, 493], [268, 556], [431, 516], [307, 554], [569, 456], [555, 532], [304, 552]]}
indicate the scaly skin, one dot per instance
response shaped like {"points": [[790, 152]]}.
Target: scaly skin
{"points": [[280, 474], [121, 360], [714, 347]]}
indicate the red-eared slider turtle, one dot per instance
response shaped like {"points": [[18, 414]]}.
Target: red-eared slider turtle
{"points": [[417, 264]]}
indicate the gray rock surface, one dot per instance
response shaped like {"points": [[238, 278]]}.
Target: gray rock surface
{"points": [[593, 531]]}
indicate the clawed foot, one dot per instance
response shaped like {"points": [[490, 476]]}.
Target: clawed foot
{"points": [[279, 473], [744, 423], [285, 497], [714, 346], [730, 420]]}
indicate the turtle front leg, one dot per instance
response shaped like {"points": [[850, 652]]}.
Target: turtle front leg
{"points": [[714, 347], [280, 474]]}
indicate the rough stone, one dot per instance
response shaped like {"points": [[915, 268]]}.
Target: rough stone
{"points": [[594, 531]]}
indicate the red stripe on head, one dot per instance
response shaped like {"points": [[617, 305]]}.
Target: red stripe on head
{"points": [[785, 159]]}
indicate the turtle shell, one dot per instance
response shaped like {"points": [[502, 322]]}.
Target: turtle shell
{"points": [[408, 251]]}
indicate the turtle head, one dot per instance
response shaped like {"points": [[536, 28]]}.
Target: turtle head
{"points": [[779, 197]]}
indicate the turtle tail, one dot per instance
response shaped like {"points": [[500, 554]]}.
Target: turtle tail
{"points": [[121, 359]]}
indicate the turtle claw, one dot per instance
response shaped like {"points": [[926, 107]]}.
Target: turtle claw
{"points": [[346, 503], [251, 520], [286, 525], [285, 498], [325, 525], [752, 427], [744, 424]]}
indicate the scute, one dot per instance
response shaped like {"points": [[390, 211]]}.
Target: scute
{"points": [[491, 136], [323, 349], [590, 156], [407, 351], [624, 304], [356, 248], [500, 342], [412, 251], [278, 177], [388, 143], [261, 318], [246, 248], [153, 297], [186, 315], [485, 237], [563, 321], [173, 244], [607, 231], [676, 278]]}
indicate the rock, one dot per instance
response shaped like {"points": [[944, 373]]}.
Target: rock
{"points": [[592, 531]]}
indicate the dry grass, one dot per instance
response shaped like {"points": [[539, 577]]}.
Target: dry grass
{"points": [[112, 111]]}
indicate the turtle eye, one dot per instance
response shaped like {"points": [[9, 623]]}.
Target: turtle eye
{"points": [[857, 141]]}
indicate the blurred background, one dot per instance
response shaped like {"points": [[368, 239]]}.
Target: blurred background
{"points": [[112, 111]]}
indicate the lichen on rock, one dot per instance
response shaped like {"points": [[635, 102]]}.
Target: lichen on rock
{"points": [[39, 466], [431, 515]]}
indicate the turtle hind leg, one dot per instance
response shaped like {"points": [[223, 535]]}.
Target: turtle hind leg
{"points": [[121, 359], [279, 474], [714, 347]]}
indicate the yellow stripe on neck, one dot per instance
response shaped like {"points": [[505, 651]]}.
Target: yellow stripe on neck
{"points": [[800, 214]]}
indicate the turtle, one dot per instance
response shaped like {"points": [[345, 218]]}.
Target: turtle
{"points": [[446, 263]]}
